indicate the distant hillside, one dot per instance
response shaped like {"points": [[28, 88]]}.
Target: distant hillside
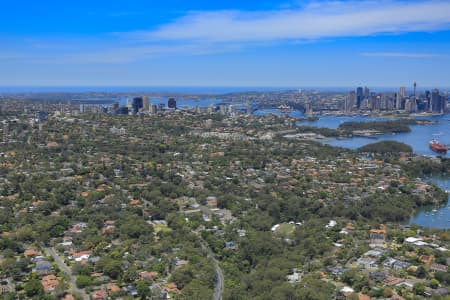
{"points": [[384, 147]]}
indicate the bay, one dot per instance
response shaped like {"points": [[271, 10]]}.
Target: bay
{"points": [[431, 216], [418, 139]]}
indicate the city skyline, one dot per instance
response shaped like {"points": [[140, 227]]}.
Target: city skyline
{"points": [[226, 44]]}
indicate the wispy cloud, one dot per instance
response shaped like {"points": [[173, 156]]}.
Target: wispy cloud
{"points": [[404, 54], [129, 54], [208, 32], [313, 21], [8, 56]]}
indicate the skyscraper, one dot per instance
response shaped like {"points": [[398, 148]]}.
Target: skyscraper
{"points": [[350, 101], [398, 101], [402, 91], [366, 93], [436, 102], [444, 100], [129, 103], [408, 105], [414, 102], [172, 103], [145, 104], [359, 96], [137, 104]]}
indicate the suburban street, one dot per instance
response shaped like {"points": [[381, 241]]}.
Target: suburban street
{"points": [[72, 280]]}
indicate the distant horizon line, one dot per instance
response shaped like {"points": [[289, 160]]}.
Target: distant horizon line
{"points": [[5, 89]]}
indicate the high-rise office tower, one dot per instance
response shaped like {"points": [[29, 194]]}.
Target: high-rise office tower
{"points": [[445, 100], [366, 92], [115, 107], [138, 103], [402, 91], [172, 103], [364, 104], [223, 109], [436, 102], [129, 103], [145, 103], [408, 105], [350, 101], [375, 103], [359, 96], [427, 101], [398, 101]]}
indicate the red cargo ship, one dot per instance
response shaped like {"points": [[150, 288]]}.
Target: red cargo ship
{"points": [[438, 147]]}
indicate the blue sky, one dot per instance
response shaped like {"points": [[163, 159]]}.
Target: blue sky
{"points": [[225, 43]]}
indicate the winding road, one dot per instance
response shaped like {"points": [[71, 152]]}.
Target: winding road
{"points": [[73, 286], [218, 289]]}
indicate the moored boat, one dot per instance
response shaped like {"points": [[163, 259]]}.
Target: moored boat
{"points": [[436, 146]]}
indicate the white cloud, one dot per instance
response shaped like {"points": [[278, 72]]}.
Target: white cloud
{"points": [[200, 33], [313, 21]]}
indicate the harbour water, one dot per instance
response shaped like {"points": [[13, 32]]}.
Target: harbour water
{"points": [[437, 217], [418, 138]]}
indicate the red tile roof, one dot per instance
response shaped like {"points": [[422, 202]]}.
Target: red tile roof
{"points": [[49, 282]]}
